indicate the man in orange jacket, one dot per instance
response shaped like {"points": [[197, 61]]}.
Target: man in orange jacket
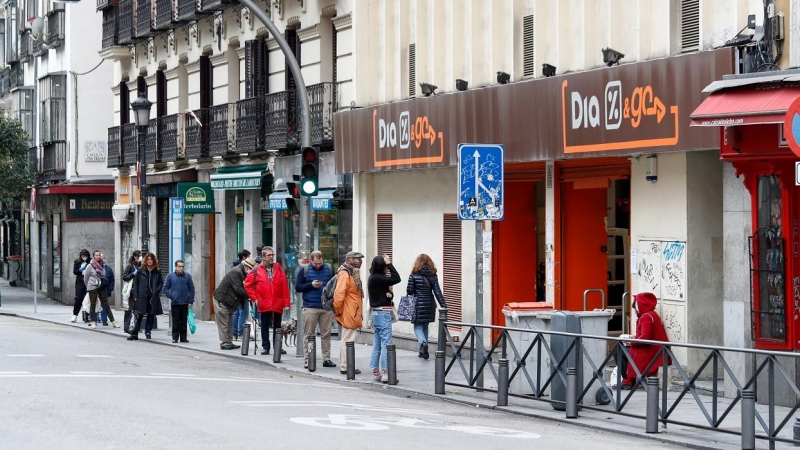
{"points": [[268, 286], [347, 300]]}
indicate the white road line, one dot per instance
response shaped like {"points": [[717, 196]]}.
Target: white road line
{"points": [[172, 375], [25, 356], [92, 373], [14, 373], [94, 356]]}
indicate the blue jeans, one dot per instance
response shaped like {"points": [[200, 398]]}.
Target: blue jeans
{"points": [[382, 321], [421, 330], [239, 318]]}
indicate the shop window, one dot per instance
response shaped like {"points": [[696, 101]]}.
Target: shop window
{"points": [[385, 234], [767, 265], [451, 266]]}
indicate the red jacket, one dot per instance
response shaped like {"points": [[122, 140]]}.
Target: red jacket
{"points": [[648, 327], [269, 295]]}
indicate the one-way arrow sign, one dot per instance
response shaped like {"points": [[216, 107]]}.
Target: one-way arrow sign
{"points": [[480, 182]]}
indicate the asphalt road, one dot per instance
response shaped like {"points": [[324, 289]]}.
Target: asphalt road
{"points": [[63, 388]]}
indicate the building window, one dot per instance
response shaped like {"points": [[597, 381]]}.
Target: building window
{"points": [[54, 108], [528, 67], [23, 111], [412, 70], [385, 234], [690, 25]]}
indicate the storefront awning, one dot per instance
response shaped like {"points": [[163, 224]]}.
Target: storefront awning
{"points": [[240, 180], [323, 201], [744, 106]]}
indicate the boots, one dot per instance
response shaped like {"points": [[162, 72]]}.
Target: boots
{"points": [[423, 350]]}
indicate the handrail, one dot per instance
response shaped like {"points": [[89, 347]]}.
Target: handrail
{"points": [[625, 313], [602, 295]]}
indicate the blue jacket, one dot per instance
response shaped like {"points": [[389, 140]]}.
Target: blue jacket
{"points": [[109, 280], [312, 297], [179, 288]]}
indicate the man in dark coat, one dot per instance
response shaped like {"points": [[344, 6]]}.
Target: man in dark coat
{"points": [[230, 294], [146, 295], [179, 287], [80, 285]]}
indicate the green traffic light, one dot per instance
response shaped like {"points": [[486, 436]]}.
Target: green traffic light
{"points": [[309, 187]]}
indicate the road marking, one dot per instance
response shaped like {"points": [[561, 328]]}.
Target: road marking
{"points": [[14, 373], [317, 404], [92, 373], [150, 377], [25, 356], [172, 375], [94, 356]]}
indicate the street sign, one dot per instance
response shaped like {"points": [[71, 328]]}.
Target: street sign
{"points": [[176, 211], [480, 182]]}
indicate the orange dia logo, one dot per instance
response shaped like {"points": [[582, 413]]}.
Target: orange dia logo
{"points": [[405, 135]]}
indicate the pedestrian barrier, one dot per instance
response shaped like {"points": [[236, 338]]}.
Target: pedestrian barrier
{"points": [[468, 362]]}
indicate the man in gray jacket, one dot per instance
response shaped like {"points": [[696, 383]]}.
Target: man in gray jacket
{"points": [[229, 294]]}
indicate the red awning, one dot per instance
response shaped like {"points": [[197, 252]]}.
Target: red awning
{"points": [[77, 189], [747, 106]]}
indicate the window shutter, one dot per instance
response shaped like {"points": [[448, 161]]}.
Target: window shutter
{"points": [[412, 70], [206, 83], [335, 56], [263, 67], [690, 25], [161, 94], [124, 103], [385, 234], [451, 267], [141, 86], [528, 68], [249, 68]]}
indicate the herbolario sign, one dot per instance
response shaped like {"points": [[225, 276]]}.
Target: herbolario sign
{"points": [[198, 198]]}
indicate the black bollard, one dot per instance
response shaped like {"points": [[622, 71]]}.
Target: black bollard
{"points": [[391, 363], [276, 346], [312, 353], [442, 339], [246, 339], [351, 360], [651, 408], [439, 381], [796, 431], [502, 384]]}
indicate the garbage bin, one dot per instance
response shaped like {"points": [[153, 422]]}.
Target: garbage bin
{"points": [[14, 266], [529, 316]]}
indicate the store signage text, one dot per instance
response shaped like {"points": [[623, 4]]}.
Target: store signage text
{"points": [[415, 136]]}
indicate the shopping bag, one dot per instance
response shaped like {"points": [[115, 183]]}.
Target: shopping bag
{"points": [[192, 321], [87, 304], [407, 311], [126, 293]]}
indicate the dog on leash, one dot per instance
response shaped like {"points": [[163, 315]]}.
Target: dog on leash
{"points": [[289, 333]]}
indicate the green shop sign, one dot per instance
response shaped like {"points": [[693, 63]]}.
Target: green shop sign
{"points": [[90, 206], [198, 198]]}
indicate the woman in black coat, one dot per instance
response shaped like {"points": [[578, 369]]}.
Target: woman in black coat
{"points": [[80, 287], [146, 295], [134, 262], [424, 283]]}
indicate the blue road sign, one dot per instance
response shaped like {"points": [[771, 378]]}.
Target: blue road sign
{"points": [[480, 182]]}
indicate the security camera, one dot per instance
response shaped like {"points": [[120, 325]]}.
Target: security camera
{"points": [[611, 56]]}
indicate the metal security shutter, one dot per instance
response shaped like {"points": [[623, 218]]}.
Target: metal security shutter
{"points": [[690, 25], [385, 234], [451, 267], [527, 47], [162, 234], [412, 70]]}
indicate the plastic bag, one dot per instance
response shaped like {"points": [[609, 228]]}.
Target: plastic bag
{"points": [[126, 293], [87, 304], [192, 321]]}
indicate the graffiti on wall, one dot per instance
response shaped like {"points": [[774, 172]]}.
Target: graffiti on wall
{"points": [[649, 270], [662, 268]]}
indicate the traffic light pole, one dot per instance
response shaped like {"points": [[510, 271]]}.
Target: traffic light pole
{"points": [[305, 139]]}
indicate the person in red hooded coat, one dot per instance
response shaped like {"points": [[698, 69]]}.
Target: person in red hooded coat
{"points": [[648, 327], [268, 286]]}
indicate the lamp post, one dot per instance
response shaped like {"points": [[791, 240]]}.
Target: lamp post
{"points": [[141, 114]]}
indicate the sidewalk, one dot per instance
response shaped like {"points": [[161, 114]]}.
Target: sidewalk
{"points": [[417, 376]]}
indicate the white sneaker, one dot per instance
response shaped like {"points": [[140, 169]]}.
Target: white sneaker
{"points": [[385, 377], [74, 319], [114, 324], [92, 325]]}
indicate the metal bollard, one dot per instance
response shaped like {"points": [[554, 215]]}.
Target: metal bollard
{"points": [[441, 341], [277, 345], [572, 393], [651, 414], [749, 420], [439, 381], [502, 384], [312, 354], [246, 339], [391, 363], [796, 431], [351, 360]]}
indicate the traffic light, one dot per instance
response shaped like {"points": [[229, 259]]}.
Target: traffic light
{"points": [[309, 171]]}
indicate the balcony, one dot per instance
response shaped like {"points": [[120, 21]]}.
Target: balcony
{"points": [[25, 47], [110, 25], [197, 137], [129, 152], [17, 76], [5, 82], [104, 4], [215, 5], [221, 129], [166, 13], [323, 101], [144, 18], [189, 9], [114, 155], [55, 28], [54, 163], [280, 121], [250, 125], [125, 24], [33, 159]]}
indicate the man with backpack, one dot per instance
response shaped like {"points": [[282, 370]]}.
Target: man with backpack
{"points": [[347, 301], [310, 281]]}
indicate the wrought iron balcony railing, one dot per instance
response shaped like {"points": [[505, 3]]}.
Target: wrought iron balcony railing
{"points": [[166, 13], [323, 99], [197, 137], [55, 28], [110, 25], [144, 18], [25, 47], [126, 22], [114, 157], [214, 5], [280, 120], [151, 153], [54, 162], [33, 159], [221, 129], [103, 4], [129, 152], [250, 125], [168, 138], [189, 9]]}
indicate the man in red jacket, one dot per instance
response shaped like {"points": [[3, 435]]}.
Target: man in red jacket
{"points": [[268, 286], [648, 327]]}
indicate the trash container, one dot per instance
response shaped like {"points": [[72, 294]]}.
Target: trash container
{"points": [[530, 316], [14, 266]]}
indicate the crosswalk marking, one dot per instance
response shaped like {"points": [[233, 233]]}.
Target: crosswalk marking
{"points": [[94, 356], [25, 356]]}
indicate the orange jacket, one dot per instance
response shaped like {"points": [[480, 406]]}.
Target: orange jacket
{"points": [[269, 295], [347, 301]]}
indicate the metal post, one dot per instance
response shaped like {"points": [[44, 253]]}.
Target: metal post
{"points": [[749, 420], [144, 205], [351, 360], [391, 363], [651, 417], [502, 384], [439, 381], [441, 343], [277, 345], [300, 325], [572, 393], [246, 339], [796, 431], [312, 353], [479, 296]]}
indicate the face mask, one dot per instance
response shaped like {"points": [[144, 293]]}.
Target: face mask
{"points": [[141, 259]]}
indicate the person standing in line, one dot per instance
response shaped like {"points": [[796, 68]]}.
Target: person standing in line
{"points": [[241, 314], [228, 295], [179, 287], [80, 286], [381, 300], [109, 289], [310, 280], [424, 283], [259, 250], [347, 303], [146, 296], [134, 262], [96, 284], [269, 288]]}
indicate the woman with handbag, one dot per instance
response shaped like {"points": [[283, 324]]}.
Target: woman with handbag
{"points": [[379, 286], [424, 284], [127, 287], [94, 276], [146, 295]]}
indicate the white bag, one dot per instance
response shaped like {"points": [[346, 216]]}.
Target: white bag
{"points": [[126, 293], [613, 382], [87, 304]]}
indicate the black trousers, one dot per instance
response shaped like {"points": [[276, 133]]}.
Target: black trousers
{"points": [[148, 324], [269, 319], [180, 320], [80, 293]]}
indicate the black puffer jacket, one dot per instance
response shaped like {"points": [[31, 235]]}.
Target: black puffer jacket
{"points": [[426, 308]]}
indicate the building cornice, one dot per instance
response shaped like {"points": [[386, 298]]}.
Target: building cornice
{"points": [[193, 66], [218, 60], [116, 53], [115, 89], [171, 74], [308, 33], [240, 53], [272, 44], [329, 10], [344, 22]]}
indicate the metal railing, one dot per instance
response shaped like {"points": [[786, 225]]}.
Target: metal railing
{"points": [[189, 9], [114, 157], [129, 152], [212, 5], [54, 162], [5, 82], [125, 27], [151, 153], [281, 128], [168, 138], [472, 361], [221, 129], [144, 18], [103, 4], [197, 135], [110, 27], [166, 12], [250, 125], [323, 102], [25, 47], [17, 75], [55, 28], [33, 159]]}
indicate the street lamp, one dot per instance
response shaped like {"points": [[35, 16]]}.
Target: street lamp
{"points": [[141, 114]]}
